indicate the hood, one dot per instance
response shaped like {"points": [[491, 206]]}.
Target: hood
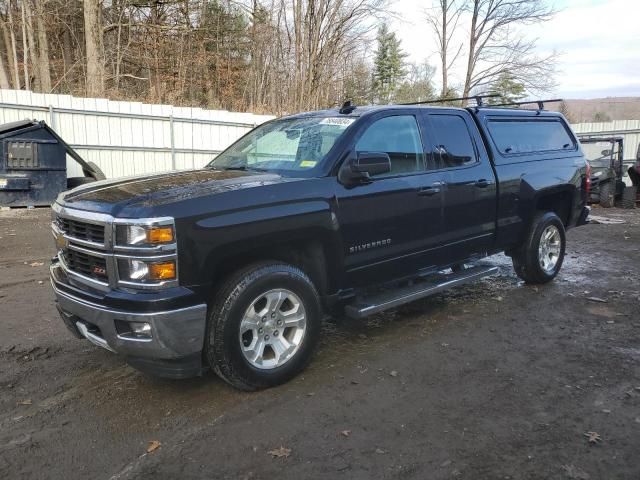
{"points": [[150, 191]]}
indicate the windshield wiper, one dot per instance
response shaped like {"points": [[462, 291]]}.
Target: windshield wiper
{"points": [[242, 168]]}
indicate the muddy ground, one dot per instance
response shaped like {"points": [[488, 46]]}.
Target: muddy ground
{"points": [[492, 380]]}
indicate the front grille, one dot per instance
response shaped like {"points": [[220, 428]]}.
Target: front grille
{"points": [[86, 264], [82, 230]]}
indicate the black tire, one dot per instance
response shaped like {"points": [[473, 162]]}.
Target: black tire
{"points": [[74, 182], [607, 194], [222, 344], [526, 261], [629, 195]]}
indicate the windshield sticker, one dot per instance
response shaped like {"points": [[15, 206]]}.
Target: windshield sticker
{"points": [[308, 163], [342, 122]]}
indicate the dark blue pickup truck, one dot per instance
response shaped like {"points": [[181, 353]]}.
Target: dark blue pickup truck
{"points": [[339, 212]]}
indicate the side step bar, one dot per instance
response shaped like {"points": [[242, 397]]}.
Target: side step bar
{"points": [[391, 298]]}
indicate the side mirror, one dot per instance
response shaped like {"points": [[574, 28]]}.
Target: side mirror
{"points": [[605, 153], [361, 168]]}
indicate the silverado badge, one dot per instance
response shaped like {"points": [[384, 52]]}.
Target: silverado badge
{"points": [[369, 245]]}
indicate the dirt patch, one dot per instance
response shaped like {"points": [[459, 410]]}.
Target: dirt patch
{"points": [[492, 380]]}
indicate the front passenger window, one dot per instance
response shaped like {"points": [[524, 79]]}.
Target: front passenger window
{"points": [[399, 137]]}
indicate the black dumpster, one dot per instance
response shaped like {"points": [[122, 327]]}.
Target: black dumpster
{"points": [[33, 167]]}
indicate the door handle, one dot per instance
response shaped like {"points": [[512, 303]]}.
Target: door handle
{"points": [[429, 191], [483, 183]]}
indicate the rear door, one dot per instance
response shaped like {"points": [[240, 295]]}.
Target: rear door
{"points": [[470, 201], [390, 225]]}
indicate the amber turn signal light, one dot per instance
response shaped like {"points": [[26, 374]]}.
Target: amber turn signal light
{"points": [[162, 271], [160, 235]]}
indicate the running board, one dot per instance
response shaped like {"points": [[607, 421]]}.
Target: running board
{"points": [[378, 302]]}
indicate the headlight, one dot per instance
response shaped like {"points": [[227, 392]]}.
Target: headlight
{"points": [[146, 271], [144, 235]]}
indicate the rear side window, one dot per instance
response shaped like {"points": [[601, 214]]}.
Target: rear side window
{"points": [[512, 137], [453, 142]]}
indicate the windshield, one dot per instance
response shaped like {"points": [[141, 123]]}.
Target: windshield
{"points": [[598, 154], [290, 145]]}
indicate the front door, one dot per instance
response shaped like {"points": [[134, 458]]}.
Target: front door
{"points": [[390, 225]]}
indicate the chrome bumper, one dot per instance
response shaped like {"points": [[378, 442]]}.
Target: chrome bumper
{"points": [[175, 333]]}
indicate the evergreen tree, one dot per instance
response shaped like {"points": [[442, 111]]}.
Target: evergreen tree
{"points": [[507, 88], [389, 67]]}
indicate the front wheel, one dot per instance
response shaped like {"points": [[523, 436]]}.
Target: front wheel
{"points": [[263, 326], [540, 258], [607, 194]]}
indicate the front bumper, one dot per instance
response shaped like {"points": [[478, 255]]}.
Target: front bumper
{"points": [[177, 335]]}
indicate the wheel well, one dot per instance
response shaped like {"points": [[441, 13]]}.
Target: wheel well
{"points": [[309, 256], [558, 202]]}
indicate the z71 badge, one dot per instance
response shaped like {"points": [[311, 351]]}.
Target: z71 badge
{"points": [[369, 245]]}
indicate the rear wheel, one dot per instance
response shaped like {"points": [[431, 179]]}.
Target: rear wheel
{"points": [[540, 258], [263, 326], [607, 194]]}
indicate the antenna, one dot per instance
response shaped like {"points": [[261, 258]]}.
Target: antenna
{"points": [[347, 108]]}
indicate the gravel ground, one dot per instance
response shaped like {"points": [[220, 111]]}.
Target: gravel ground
{"points": [[491, 380]]}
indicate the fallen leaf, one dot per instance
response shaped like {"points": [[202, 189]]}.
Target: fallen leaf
{"points": [[597, 299], [153, 446], [593, 437], [25, 402], [345, 433], [280, 452], [380, 451], [393, 373]]}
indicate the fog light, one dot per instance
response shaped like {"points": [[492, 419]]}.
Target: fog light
{"points": [[133, 330], [142, 329]]}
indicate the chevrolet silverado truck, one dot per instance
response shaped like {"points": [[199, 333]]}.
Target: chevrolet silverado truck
{"points": [[342, 212]]}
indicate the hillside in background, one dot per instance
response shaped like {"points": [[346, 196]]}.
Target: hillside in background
{"points": [[601, 109]]}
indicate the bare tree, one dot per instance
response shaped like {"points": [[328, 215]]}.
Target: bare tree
{"points": [[4, 77], [43, 47], [94, 47], [496, 47], [10, 46], [444, 21]]}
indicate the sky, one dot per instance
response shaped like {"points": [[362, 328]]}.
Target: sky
{"points": [[598, 42]]}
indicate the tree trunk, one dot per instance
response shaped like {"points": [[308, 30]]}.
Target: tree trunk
{"points": [[25, 51], [443, 47], [33, 51], [472, 49], [4, 78], [43, 45], [10, 43], [94, 48]]}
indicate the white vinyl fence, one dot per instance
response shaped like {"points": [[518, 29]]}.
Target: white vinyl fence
{"points": [[130, 138]]}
